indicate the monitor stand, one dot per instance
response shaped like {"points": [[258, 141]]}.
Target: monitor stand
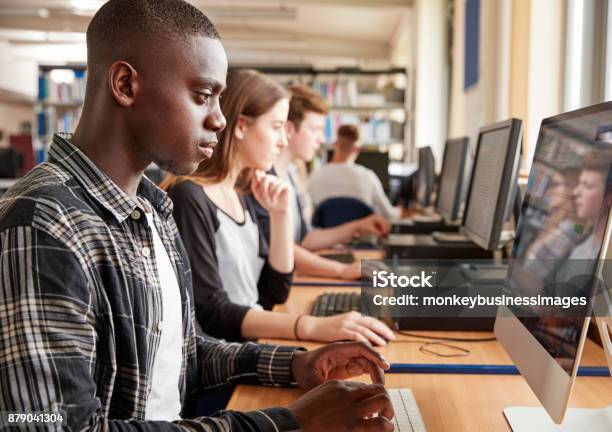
{"points": [[427, 218], [444, 237], [536, 419]]}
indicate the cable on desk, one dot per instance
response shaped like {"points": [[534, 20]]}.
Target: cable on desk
{"points": [[425, 347], [443, 338]]}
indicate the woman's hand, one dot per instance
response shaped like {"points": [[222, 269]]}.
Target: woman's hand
{"points": [[347, 326], [271, 192], [350, 271]]}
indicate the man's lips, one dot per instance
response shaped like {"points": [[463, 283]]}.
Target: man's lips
{"points": [[207, 148]]}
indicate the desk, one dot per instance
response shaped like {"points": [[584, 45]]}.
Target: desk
{"points": [[447, 402]]}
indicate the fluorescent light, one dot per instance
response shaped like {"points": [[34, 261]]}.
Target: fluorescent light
{"points": [[87, 5]]}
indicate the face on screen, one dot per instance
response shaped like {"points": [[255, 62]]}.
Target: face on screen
{"points": [[562, 225]]}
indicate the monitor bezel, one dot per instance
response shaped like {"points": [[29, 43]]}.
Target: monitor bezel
{"points": [[431, 178], [509, 177], [464, 142], [551, 384]]}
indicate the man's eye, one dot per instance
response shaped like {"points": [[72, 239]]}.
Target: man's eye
{"points": [[203, 97]]}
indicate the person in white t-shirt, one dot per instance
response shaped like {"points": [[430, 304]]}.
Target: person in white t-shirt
{"points": [[341, 177]]}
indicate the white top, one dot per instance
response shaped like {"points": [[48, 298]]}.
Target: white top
{"points": [[164, 402], [237, 250], [335, 180]]}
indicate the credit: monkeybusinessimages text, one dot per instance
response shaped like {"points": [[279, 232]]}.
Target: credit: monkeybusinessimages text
{"points": [[384, 279]]}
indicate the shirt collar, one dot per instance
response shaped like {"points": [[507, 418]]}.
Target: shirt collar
{"points": [[100, 186]]}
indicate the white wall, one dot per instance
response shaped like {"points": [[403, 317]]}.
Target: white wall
{"points": [[487, 101], [19, 63], [431, 75], [546, 60], [11, 116]]}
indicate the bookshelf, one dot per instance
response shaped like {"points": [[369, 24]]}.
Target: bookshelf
{"points": [[374, 100], [61, 91]]}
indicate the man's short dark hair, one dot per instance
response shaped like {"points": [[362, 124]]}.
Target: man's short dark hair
{"points": [[349, 132], [122, 23], [348, 135]]}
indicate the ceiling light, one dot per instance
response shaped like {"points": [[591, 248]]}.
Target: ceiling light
{"points": [[86, 5]]}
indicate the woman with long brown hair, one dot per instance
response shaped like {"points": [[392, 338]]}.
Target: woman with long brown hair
{"points": [[236, 274]]}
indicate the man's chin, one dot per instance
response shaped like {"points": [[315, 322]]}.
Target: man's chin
{"points": [[176, 169]]}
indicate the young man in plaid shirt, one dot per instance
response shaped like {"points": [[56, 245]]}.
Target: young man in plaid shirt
{"points": [[96, 312]]}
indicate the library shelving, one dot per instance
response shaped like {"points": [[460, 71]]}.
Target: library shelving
{"points": [[61, 91], [373, 100]]}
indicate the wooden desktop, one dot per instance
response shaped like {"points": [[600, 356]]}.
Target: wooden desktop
{"points": [[447, 402]]}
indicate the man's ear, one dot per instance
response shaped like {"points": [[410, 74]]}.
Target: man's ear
{"points": [[124, 83], [290, 129]]}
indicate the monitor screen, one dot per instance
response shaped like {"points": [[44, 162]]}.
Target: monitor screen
{"points": [[425, 176], [452, 178], [563, 220], [493, 179]]}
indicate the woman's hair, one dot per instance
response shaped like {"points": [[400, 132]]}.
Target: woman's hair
{"points": [[249, 94]]}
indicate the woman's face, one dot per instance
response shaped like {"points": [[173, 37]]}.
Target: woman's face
{"points": [[264, 137], [589, 194], [558, 193]]}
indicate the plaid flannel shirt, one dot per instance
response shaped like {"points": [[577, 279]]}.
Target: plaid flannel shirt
{"points": [[80, 307]]}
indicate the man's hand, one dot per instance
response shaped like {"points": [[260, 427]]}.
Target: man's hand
{"points": [[271, 192], [335, 361], [344, 406], [373, 224]]}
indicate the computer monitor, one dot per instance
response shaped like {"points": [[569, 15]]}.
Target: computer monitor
{"points": [[452, 178], [564, 230], [492, 183], [377, 161], [425, 176]]}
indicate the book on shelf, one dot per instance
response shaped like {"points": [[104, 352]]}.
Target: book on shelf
{"points": [[53, 91], [372, 129], [61, 92], [354, 92]]}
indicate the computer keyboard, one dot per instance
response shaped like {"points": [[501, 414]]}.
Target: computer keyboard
{"points": [[368, 241], [407, 415], [329, 304], [485, 273], [345, 258]]}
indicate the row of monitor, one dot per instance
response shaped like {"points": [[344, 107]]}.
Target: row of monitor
{"points": [[493, 181], [567, 204]]}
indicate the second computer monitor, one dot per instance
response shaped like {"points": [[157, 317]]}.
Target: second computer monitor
{"points": [[425, 176], [492, 182], [450, 192]]}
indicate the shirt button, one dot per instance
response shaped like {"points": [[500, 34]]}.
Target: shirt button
{"points": [[146, 251], [160, 326], [136, 214]]}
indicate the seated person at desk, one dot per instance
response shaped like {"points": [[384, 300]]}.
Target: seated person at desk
{"points": [[305, 126], [236, 275], [98, 322], [341, 177]]}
